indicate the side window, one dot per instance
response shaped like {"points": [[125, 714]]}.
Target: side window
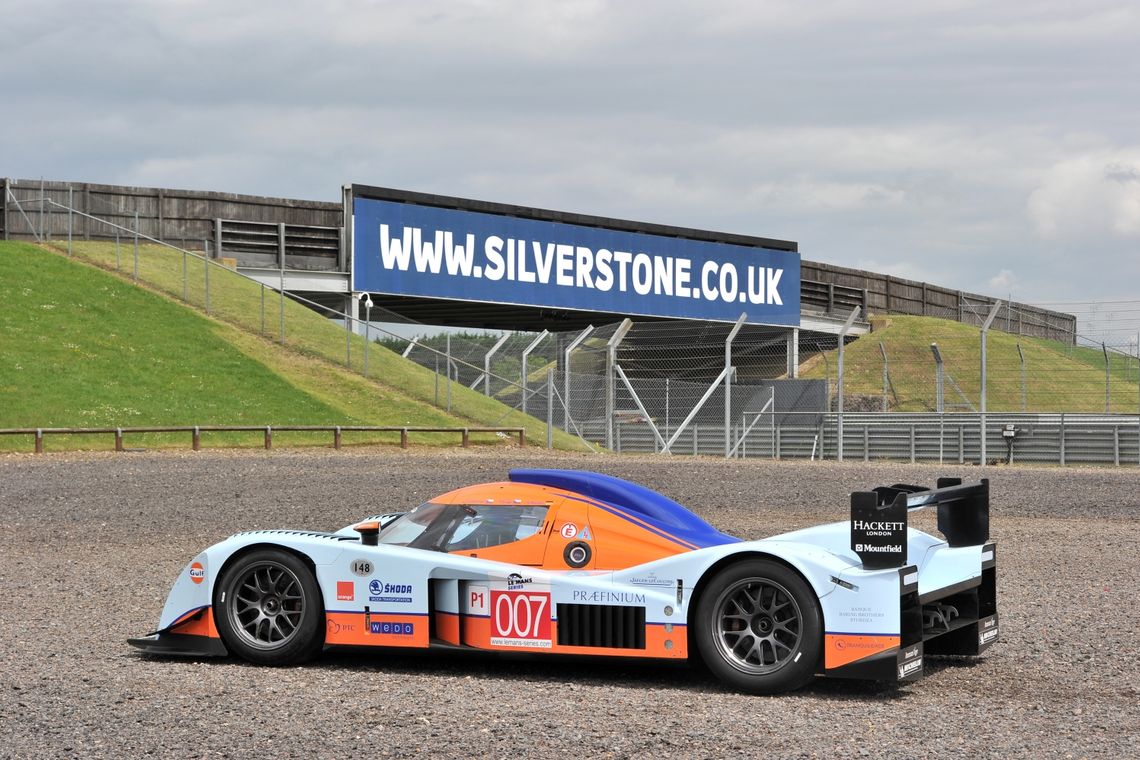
{"points": [[485, 525]]}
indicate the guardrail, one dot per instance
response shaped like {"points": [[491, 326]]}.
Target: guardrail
{"points": [[268, 430]]}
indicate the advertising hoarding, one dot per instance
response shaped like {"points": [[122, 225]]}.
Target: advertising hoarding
{"points": [[413, 249]]}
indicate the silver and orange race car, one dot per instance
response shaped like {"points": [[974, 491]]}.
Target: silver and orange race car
{"points": [[577, 563]]}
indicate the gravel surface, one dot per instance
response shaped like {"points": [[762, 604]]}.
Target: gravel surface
{"points": [[91, 543]]}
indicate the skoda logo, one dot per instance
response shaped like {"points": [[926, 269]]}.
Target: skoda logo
{"points": [[375, 587]]}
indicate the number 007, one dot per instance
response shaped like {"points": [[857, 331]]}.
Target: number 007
{"points": [[520, 615]]}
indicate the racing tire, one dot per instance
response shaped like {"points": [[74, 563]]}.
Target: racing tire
{"points": [[268, 608], [758, 627]]}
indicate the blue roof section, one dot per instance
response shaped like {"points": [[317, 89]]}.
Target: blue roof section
{"points": [[661, 512]]}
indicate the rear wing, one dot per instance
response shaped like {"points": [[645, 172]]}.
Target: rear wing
{"points": [[879, 518]]}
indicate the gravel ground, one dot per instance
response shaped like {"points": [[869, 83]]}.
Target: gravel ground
{"points": [[91, 543]]}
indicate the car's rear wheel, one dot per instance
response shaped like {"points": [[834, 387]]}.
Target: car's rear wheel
{"points": [[268, 610], [759, 628]]}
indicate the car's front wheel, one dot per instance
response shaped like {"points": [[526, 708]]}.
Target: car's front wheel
{"points": [[268, 610], [759, 628]]}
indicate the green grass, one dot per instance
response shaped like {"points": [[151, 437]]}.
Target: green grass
{"points": [[84, 348], [1058, 377]]}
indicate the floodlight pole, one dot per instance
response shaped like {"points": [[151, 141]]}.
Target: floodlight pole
{"points": [[985, 331], [728, 369], [839, 390], [611, 360], [566, 374]]}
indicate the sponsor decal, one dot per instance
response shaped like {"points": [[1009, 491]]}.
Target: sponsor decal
{"points": [[515, 581], [985, 637], [345, 591], [912, 652], [871, 548], [335, 627], [568, 531], [878, 527], [651, 580], [393, 629], [520, 619], [907, 668], [197, 572], [361, 567], [990, 623], [584, 534], [608, 597], [477, 599], [987, 556], [910, 579], [395, 593]]}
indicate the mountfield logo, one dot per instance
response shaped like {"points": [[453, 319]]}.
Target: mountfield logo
{"points": [[872, 549]]}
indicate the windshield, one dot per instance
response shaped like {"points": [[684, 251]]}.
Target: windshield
{"points": [[462, 527]]}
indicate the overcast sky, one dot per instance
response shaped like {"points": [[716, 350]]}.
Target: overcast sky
{"points": [[993, 147]]}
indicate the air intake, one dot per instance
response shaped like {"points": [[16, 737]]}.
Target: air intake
{"points": [[601, 625]]}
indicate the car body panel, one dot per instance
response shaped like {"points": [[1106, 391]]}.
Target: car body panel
{"points": [[634, 597]]}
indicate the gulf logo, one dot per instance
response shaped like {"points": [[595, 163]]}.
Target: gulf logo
{"points": [[197, 572]]}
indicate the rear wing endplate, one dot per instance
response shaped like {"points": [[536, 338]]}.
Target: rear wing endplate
{"points": [[879, 518]]}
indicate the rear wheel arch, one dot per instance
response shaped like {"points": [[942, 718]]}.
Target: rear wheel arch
{"points": [[771, 570]]}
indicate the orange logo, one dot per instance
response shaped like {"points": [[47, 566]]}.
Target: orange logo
{"points": [[197, 572]]}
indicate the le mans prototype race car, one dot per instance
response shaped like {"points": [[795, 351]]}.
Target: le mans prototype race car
{"points": [[569, 562]]}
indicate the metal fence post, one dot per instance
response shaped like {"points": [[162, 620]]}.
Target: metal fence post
{"points": [[43, 210], [486, 361], [525, 357], [1024, 395], [985, 331], [566, 374], [118, 253], [136, 274], [448, 370], [282, 318], [939, 380], [70, 216], [839, 388], [262, 309], [206, 266], [728, 382], [611, 360], [4, 220], [1107, 398], [1062, 439], [550, 408]]}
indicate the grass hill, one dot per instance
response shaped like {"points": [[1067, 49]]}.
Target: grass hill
{"points": [[81, 347], [1058, 377]]}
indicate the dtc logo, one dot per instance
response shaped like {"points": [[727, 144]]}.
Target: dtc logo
{"points": [[197, 572]]}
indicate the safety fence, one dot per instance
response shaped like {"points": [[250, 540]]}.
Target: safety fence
{"points": [[267, 431], [1060, 439]]}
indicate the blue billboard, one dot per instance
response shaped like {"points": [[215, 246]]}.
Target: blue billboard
{"points": [[409, 249]]}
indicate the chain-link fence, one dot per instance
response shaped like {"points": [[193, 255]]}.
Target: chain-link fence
{"points": [[686, 387]]}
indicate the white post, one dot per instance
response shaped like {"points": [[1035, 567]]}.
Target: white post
{"points": [[985, 331], [728, 382], [1107, 399], [367, 328], [939, 380], [793, 347], [525, 356], [611, 360], [566, 374], [1024, 395], [839, 388], [486, 362]]}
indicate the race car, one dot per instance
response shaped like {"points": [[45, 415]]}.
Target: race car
{"points": [[566, 562]]}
